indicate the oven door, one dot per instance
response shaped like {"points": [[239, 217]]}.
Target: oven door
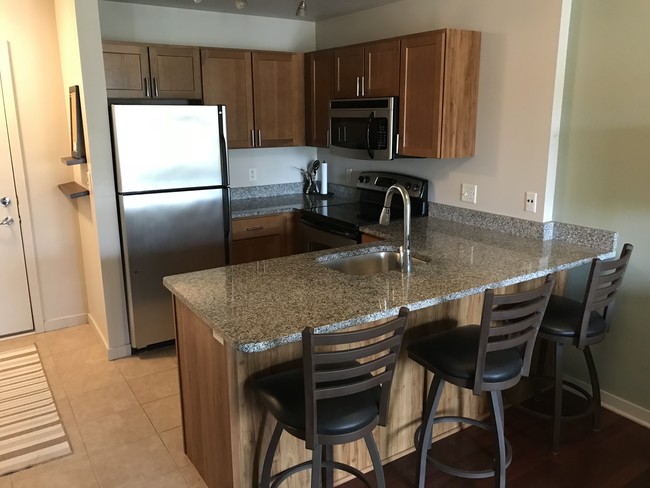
{"points": [[315, 238]]}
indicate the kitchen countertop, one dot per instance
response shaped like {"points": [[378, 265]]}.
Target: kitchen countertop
{"points": [[261, 305]]}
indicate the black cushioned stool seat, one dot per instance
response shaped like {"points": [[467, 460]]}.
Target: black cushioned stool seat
{"points": [[340, 395], [488, 357]]}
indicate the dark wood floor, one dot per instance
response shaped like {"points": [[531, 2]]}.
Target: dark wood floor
{"points": [[616, 456]]}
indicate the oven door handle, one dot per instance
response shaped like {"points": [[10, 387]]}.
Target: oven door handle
{"points": [[371, 152]]}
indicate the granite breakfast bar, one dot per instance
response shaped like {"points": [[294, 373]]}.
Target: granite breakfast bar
{"points": [[236, 322]]}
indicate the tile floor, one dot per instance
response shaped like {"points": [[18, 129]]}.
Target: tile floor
{"points": [[122, 417]]}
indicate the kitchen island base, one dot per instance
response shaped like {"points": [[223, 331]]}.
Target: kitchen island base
{"points": [[226, 430]]}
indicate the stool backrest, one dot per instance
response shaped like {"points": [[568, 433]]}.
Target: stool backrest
{"points": [[339, 364], [602, 286], [510, 321]]}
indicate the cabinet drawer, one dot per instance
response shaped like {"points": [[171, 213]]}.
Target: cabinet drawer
{"points": [[256, 227]]}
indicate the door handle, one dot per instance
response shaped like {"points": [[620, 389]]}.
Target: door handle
{"points": [[147, 88], [7, 221], [357, 86], [363, 86], [5, 201], [156, 91], [259, 137], [252, 137]]}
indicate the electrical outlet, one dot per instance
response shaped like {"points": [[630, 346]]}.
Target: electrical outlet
{"points": [[531, 202], [468, 193], [252, 174]]}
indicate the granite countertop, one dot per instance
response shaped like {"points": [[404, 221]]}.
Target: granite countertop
{"points": [[261, 305]]}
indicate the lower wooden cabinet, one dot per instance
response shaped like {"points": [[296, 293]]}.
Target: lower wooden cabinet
{"points": [[263, 237]]}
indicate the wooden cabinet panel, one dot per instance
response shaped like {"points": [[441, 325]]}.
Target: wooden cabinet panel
{"points": [[438, 93], [265, 237], [319, 90], [127, 70], [175, 72], [228, 79], [381, 68], [348, 69], [279, 106], [141, 71]]}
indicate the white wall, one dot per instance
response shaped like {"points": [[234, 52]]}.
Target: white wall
{"points": [[41, 103], [143, 23], [519, 97]]}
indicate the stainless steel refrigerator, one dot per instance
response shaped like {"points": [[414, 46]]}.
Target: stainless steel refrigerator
{"points": [[171, 164]]}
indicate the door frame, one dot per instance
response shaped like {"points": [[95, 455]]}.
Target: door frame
{"points": [[17, 160]]}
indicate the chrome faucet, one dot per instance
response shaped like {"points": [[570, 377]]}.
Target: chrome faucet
{"points": [[384, 219]]}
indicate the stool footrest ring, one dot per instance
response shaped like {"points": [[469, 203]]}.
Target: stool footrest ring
{"points": [[283, 475], [566, 385], [466, 473]]}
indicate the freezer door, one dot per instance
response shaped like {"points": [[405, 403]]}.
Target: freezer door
{"points": [[166, 147], [165, 234]]}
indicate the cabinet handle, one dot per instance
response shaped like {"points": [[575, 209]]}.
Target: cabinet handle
{"points": [[328, 142], [345, 134], [357, 86], [147, 91], [259, 137], [257, 227], [253, 137], [156, 92], [397, 144], [363, 86]]}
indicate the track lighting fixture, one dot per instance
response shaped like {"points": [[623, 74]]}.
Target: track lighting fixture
{"points": [[241, 4], [301, 10]]}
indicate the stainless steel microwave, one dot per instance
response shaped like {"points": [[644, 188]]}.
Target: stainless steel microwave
{"points": [[364, 128]]}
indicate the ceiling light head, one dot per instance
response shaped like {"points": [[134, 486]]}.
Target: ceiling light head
{"points": [[241, 4], [301, 10], [197, 1]]}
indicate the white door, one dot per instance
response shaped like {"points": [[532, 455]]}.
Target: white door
{"points": [[15, 307]]}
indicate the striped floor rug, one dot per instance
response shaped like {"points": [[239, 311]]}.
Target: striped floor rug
{"points": [[30, 429]]}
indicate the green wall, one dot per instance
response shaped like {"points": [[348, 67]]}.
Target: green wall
{"points": [[604, 171]]}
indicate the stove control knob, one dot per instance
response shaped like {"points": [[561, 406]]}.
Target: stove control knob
{"points": [[416, 187], [407, 186], [366, 179], [360, 179]]}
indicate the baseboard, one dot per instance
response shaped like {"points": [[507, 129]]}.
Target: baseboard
{"points": [[620, 406], [112, 352], [64, 322]]}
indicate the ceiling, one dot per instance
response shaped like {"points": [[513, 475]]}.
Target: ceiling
{"points": [[284, 9]]}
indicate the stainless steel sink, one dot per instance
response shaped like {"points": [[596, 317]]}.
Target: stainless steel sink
{"points": [[369, 263]]}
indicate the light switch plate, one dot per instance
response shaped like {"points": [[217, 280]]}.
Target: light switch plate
{"points": [[468, 193]]}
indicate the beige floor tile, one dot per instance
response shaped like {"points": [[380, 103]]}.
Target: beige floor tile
{"points": [[155, 386], [132, 463], [102, 401], [192, 476], [174, 479], [173, 440], [78, 359], [61, 473], [91, 377], [114, 430], [26, 340], [147, 362], [71, 338], [71, 427], [164, 414], [53, 378], [5, 481]]}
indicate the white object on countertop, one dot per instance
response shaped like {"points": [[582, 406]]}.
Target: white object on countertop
{"points": [[323, 178]]}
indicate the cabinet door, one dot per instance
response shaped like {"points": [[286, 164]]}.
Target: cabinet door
{"points": [[421, 83], [257, 238], [348, 71], [279, 99], [319, 83], [175, 72], [381, 69], [126, 68], [228, 80]]}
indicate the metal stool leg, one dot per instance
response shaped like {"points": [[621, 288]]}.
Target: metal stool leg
{"points": [[376, 460], [424, 442], [539, 371], [500, 439], [595, 387], [316, 455], [328, 472], [268, 459], [557, 409]]}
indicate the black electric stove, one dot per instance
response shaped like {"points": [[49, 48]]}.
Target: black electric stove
{"points": [[325, 226]]}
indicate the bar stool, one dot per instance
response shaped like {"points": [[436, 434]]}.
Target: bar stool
{"points": [[490, 357], [339, 395], [580, 324]]}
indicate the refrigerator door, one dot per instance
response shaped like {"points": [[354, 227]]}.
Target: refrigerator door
{"points": [[166, 147], [165, 234]]}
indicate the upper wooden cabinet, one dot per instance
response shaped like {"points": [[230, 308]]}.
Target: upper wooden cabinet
{"points": [[142, 71], [319, 90], [439, 93], [263, 93], [369, 70]]}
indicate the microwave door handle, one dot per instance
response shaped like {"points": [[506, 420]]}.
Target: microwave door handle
{"points": [[371, 152]]}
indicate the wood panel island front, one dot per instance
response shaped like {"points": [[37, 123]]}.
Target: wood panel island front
{"points": [[239, 322]]}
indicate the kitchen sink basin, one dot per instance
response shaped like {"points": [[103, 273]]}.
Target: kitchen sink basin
{"points": [[369, 263]]}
